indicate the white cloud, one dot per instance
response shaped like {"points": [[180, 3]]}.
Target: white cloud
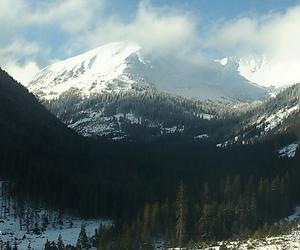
{"points": [[14, 59], [84, 24], [19, 55], [275, 34], [17, 49], [272, 39], [154, 28], [23, 73], [68, 15]]}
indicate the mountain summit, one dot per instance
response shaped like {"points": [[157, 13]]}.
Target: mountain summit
{"points": [[124, 66], [98, 70]]}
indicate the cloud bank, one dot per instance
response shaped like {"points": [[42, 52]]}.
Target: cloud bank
{"points": [[15, 58], [85, 26], [155, 29], [74, 26], [22, 56], [274, 34]]}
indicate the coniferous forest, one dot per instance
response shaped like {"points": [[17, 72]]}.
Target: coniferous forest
{"points": [[172, 188]]}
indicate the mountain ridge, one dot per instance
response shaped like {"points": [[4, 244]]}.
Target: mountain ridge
{"points": [[123, 66]]}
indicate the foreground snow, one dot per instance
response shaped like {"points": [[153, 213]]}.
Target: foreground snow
{"points": [[24, 225], [290, 241], [69, 230]]}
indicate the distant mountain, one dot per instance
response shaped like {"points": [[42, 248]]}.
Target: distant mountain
{"points": [[261, 70], [124, 66], [118, 90]]}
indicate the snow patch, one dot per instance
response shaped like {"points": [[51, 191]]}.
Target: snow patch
{"points": [[288, 151], [272, 121], [201, 136], [223, 61], [295, 216]]}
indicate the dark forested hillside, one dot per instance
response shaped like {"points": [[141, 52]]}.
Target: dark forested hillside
{"points": [[37, 151], [27, 129]]}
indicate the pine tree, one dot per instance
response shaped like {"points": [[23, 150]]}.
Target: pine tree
{"points": [[15, 247], [181, 213], [60, 243], [102, 237], [47, 245], [83, 240], [146, 227], [7, 246]]}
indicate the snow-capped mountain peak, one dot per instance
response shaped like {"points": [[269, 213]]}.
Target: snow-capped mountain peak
{"points": [[123, 66], [94, 71]]}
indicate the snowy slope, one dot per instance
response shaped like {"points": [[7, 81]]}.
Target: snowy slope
{"points": [[101, 69], [123, 66], [263, 71]]}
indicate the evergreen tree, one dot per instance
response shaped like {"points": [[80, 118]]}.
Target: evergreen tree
{"points": [[83, 240], [7, 246], [181, 214], [47, 245], [60, 243], [15, 247]]}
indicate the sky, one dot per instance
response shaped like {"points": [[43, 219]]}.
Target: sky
{"points": [[36, 33]]}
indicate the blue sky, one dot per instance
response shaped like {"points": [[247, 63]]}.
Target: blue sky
{"points": [[36, 33], [209, 8]]}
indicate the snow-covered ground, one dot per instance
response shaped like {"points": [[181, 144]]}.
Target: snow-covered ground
{"points": [[288, 242], [69, 230], [25, 225]]}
